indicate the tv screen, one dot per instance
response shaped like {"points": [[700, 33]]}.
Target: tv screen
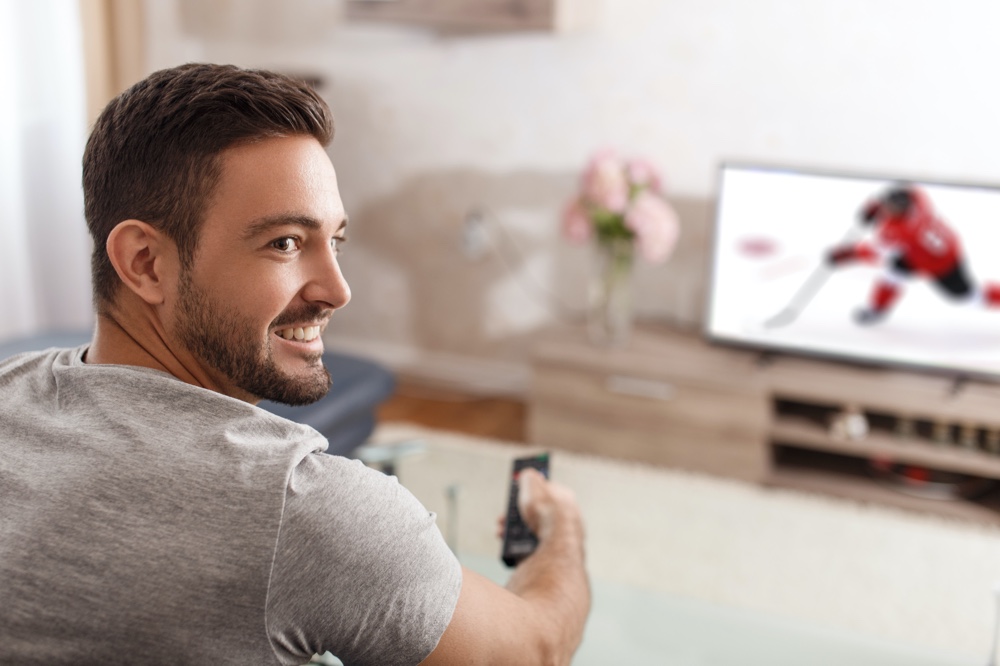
{"points": [[870, 269]]}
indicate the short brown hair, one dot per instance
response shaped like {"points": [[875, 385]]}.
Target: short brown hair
{"points": [[153, 154]]}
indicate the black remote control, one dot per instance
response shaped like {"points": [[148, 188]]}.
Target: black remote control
{"points": [[518, 540]]}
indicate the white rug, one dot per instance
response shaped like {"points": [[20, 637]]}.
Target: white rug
{"points": [[879, 572]]}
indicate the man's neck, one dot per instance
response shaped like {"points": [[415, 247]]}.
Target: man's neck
{"points": [[114, 345], [125, 337]]}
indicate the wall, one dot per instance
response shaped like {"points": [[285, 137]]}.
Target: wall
{"points": [[430, 127]]}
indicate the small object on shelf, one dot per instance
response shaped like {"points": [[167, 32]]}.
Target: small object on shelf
{"points": [[968, 436], [849, 424], [993, 440], [906, 426], [942, 432], [928, 483]]}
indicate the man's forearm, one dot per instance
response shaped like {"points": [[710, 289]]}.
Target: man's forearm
{"points": [[539, 618], [554, 580]]}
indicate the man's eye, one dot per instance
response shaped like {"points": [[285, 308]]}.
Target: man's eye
{"points": [[286, 244], [337, 241]]}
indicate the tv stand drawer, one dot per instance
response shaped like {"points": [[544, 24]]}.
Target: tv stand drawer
{"points": [[657, 416]]}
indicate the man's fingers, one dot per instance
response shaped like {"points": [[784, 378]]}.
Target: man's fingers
{"points": [[526, 481], [531, 497], [527, 489]]}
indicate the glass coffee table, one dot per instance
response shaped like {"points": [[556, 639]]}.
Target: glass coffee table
{"points": [[655, 602]]}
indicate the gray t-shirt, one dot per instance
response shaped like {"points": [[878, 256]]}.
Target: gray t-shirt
{"points": [[145, 520]]}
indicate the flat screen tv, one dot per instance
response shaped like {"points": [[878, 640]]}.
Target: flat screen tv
{"points": [[871, 269]]}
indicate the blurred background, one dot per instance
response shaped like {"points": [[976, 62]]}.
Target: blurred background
{"points": [[462, 130], [451, 113]]}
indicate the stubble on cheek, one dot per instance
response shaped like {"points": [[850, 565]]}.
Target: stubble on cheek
{"points": [[229, 342]]}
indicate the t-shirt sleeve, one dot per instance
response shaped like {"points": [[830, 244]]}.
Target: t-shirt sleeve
{"points": [[360, 569]]}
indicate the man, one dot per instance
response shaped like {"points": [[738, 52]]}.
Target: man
{"points": [[149, 512], [910, 240]]}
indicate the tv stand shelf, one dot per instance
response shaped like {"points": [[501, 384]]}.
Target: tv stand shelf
{"points": [[671, 398], [902, 449]]}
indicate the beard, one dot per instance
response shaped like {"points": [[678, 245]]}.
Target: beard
{"points": [[226, 340]]}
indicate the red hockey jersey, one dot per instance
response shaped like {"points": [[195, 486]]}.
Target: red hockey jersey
{"points": [[921, 238]]}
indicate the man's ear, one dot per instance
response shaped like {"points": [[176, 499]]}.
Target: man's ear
{"points": [[142, 256]]}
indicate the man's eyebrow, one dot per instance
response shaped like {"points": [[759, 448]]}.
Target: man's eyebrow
{"points": [[265, 224]]}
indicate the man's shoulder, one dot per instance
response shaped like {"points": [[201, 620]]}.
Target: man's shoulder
{"points": [[339, 479], [154, 404], [356, 535], [36, 359], [30, 375], [331, 492]]}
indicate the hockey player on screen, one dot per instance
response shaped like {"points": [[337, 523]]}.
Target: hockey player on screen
{"points": [[910, 240]]}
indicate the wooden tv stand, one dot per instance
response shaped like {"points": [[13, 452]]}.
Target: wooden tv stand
{"points": [[671, 398]]}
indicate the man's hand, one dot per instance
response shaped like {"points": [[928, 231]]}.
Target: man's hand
{"points": [[540, 616], [547, 506], [544, 504]]}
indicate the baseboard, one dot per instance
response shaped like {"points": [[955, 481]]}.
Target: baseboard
{"points": [[472, 374]]}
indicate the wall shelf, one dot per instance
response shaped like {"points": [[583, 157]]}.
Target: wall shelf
{"points": [[471, 16]]}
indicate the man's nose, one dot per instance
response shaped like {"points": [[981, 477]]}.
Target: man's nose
{"points": [[327, 283]]}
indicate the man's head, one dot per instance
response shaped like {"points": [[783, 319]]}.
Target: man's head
{"points": [[215, 214], [154, 153]]}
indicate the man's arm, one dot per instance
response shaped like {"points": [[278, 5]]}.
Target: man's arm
{"points": [[539, 617]]}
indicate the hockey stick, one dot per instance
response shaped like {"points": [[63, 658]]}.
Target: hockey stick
{"points": [[809, 288], [801, 298]]}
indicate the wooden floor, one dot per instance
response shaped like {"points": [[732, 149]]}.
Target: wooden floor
{"points": [[447, 409]]}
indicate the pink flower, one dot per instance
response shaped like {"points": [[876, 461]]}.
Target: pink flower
{"points": [[621, 199], [604, 182], [576, 223], [642, 174], [655, 225]]}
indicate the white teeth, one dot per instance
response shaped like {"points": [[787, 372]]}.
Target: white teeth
{"points": [[307, 333]]}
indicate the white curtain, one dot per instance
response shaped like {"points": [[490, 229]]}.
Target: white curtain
{"points": [[45, 248]]}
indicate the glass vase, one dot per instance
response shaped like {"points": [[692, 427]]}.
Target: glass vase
{"points": [[609, 315]]}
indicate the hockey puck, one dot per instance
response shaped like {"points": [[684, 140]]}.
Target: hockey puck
{"points": [[758, 247]]}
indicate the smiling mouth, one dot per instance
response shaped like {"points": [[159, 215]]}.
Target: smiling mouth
{"points": [[303, 333]]}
